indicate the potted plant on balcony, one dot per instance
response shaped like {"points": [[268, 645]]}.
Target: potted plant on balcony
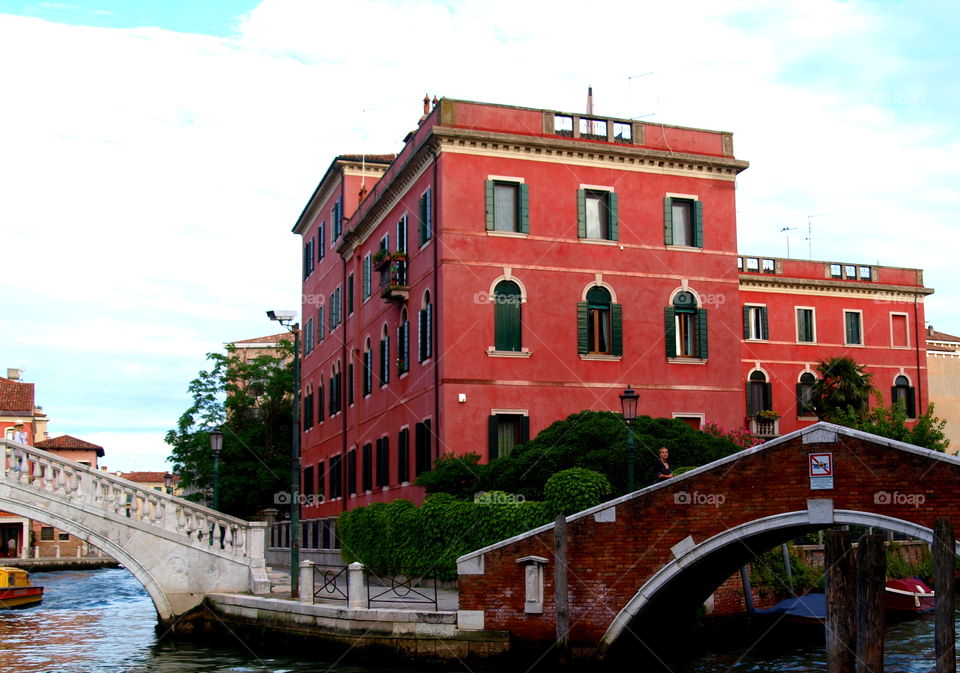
{"points": [[381, 259], [767, 415]]}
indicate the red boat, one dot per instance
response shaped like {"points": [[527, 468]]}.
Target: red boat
{"points": [[909, 595]]}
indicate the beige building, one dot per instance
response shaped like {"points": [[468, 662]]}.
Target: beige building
{"points": [[943, 379]]}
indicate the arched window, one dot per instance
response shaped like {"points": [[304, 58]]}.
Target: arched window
{"points": [[384, 356], [335, 388], [506, 316], [600, 324], [367, 368], [902, 391], [805, 406], [425, 329], [403, 344], [686, 327], [759, 394]]}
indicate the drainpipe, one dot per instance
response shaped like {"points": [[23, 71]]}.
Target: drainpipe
{"points": [[344, 368], [916, 332], [436, 301]]}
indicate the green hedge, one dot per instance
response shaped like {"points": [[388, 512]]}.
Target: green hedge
{"points": [[400, 536]]}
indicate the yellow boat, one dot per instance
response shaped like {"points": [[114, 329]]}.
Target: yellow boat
{"points": [[16, 590]]}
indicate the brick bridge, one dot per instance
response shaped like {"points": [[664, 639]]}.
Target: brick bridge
{"points": [[640, 565], [179, 550]]}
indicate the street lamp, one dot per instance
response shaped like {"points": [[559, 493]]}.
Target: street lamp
{"points": [[628, 403], [168, 483], [216, 443], [286, 319]]}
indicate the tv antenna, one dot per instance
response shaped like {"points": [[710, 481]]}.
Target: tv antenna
{"points": [[630, 80], [784, 231], [810, 235]]}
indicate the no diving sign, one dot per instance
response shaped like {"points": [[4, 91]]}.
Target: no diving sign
{"points": [[821, 471]]}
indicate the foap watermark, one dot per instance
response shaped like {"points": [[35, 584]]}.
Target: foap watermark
{"points": [[492, 298], [712, 299], [313, 299], [698, 498], [304, 499], [498, 498], [897, 498]]}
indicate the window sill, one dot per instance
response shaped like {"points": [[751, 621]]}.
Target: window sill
{"points": [[687, 361], [600, 357], [494, 353], [600, 241], [692, 248], [507, 234], [806, 343], [807, 418], [854, 345], [762, 341]]}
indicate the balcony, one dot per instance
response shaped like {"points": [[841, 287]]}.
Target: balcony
{"points": [[764, 425], [393, 278]]}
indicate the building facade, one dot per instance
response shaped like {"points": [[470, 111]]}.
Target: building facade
{"points": [[511, 266], [943, 376]]}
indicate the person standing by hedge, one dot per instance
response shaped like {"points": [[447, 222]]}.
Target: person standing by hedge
{"points": [[662, 467]]}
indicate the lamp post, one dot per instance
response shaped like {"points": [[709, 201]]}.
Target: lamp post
{"points": [[286, 318], [168, 483], [216, 443], [628, 403]]}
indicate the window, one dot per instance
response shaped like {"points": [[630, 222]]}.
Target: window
{"points": [[506, 316], [320, 407], [507, 206], [899, 333], [853, 323], [563, 125], [308, 410], [384, 357], [335, 389], [308, 257], [350, 384], [321, 477], [507, 431], [366, 277], [366, 467], [336, 308], [321, 332], [622, 132], [805, 407], [403, 455], [595, 129], [383, 461], [805, 330], [426, 216], [902, 391], [402, 234], [321, 242], [336, 476], [308, 336], [350, 294], [423, 441], [352, 472], [597, 214], [309, 487], [682, 222], [46, 532], [759, 393], [599, 324], [425, 330], [337, 220], [835, 271], [686, 327], [403, 344], [367, 369], [755, 323]]}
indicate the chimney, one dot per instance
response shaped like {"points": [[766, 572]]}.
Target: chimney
{"points": [[426, 104], [14, 374]]}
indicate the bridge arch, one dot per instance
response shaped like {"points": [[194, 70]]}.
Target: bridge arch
{"points": [[749, 538], [178, 550]]}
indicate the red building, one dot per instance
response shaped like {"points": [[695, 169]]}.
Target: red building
{"points": [[512, 266]]}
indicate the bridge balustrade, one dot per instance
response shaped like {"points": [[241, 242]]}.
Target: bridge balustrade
{"points": [[34, 468]]}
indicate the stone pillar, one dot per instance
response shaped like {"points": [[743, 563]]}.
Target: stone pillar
{"points": [[306, 582], [356, 586], [256, 543]]}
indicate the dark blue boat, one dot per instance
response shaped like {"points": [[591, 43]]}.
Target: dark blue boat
{"points": [[809, 609]]}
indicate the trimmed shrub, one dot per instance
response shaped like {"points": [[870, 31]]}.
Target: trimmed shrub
{"points": [[575, 490]]}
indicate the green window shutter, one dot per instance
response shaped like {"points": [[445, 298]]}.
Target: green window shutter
{"points": [[911, 402], [768, 395], [801, 405], [583, 327], [702, 350], [582, 213], [492, 444], [423, 219], [524, 195], [616, 329], [488, 204], [320, 407], [764, 328], [524, 429], [670, 330], [613, 227], [667, 221], [750, 410], [506, 320], [698, 224], [746, 322]]}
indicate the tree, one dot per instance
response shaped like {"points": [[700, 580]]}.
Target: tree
{"points": [[842, 385], [891, 422], [251, 403], [594, 440]]}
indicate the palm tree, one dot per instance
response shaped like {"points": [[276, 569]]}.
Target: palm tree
{"points": [[842, 384]]}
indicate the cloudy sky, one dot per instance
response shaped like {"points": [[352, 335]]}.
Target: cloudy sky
{"points": [[154, 154]]}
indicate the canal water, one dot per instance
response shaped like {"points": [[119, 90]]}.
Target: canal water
{"points": [[102, 621]]}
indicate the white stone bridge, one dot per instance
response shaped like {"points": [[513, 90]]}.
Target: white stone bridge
{"points": [[180, 551]]}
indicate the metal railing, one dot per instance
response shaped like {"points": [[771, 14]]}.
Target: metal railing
{"points": [[330, 583], [410, 587]]}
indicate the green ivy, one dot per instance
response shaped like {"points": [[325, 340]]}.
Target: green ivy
{"points": [[575, 490]]}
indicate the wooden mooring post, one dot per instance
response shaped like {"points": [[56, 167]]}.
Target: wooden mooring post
{"points": [[944, 559], [560, 586], [871, 576], [841, 626]]}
